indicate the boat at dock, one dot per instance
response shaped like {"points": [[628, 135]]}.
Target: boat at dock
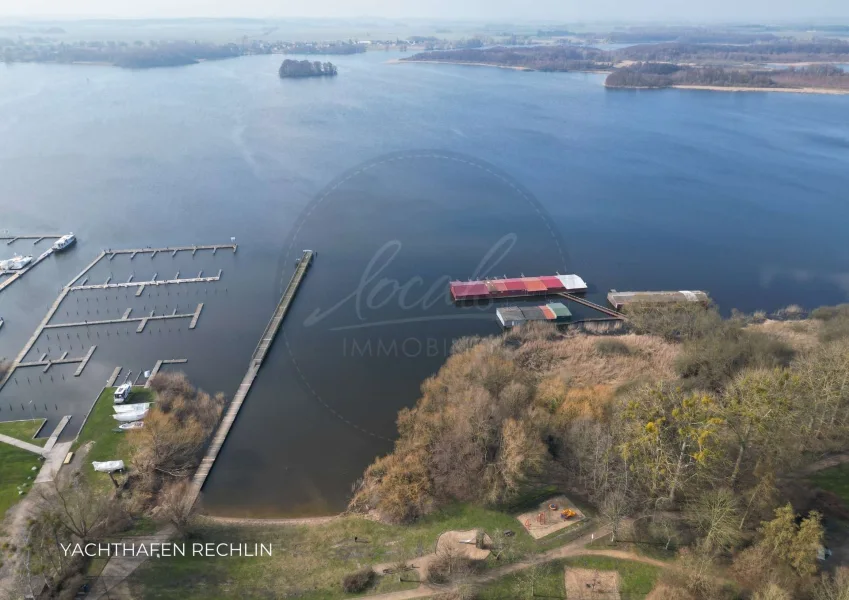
{"points": [[64, 242], [493, 289], [16, 263]]}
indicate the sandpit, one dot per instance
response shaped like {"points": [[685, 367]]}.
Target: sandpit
{"points": [[589, 584], [545, 521], [463, 543]]}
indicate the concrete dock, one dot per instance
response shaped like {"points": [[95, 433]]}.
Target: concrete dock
{"points": [[257, 359]]}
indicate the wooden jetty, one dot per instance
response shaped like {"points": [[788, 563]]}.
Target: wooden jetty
{"points": [[126, 318], [63, 360], [602, 309], [11, 239], [111, 381], [133, 252], [158, 365], [142, 284], [257, 359]]}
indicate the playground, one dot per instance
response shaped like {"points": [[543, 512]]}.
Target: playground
{"points": [[555, 514]]}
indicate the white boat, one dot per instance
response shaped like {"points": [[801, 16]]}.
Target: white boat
{"points": [[109, 466], [133, 425], [64, 241], [131, 416], [16, 263], [1, 321], [129, 408]]}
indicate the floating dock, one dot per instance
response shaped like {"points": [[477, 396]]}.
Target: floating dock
{"points": [[492, 289], [257, 359], [620, 300], [554, 312]]}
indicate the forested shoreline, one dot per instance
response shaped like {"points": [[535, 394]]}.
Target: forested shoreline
{"points": [[690, 425]]}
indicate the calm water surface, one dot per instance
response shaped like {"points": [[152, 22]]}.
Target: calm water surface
{"points": [[743, 195]]}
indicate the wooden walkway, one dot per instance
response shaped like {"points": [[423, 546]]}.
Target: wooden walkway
{"points": [[256, 362], [11, 239], [602, 309], [126, 318], [143, 284], [158, 365], [172, 250]]}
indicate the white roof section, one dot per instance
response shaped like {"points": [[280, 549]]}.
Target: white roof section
{"points": [[572, 282]]}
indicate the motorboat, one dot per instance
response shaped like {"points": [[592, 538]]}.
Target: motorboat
{"points": [[64, 242], [133, 425], [16, 263]]}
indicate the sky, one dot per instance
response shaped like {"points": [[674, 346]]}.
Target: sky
{"points": [[562, 10]]}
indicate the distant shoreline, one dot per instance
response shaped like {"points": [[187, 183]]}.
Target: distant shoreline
{"points": [[719, 88], [399, 61]]}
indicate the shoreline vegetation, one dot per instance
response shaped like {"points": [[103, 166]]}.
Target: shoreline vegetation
{"points": [[777, 65], [297, 69]]}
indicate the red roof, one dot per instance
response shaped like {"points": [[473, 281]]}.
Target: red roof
{"points": [[469, 290], [552, 283], [499, 285], [534, 284], [549, 314], [515, 285]]}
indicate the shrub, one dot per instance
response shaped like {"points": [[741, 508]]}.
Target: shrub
{"points": [[711, 362], [613, 347], [357, 582], [827, 313], [674, 322]]}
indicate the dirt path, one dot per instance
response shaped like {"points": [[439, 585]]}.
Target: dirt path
{"points": [[825, 463], [574, 548], [273, 522], [16, 523]]}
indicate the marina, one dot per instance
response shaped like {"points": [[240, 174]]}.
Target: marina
{"points": [[17, 266]]}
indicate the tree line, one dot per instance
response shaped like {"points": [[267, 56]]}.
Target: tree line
{"points": [[77, 509], [306, 68], [660, 75], [699, 459]]}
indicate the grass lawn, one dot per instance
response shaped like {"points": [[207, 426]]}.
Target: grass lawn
{"points": [[636, 580], [835, 479], [24, 430], [15, 469], [310, 562], [108, 444]]}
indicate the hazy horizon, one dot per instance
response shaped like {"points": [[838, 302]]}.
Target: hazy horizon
{"points": [[532, 10]]}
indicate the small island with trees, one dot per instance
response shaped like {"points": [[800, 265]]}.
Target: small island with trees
{"points": [[305, 68]]}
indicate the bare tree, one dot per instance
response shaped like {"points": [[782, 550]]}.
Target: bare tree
{"points": [[177, 506]]}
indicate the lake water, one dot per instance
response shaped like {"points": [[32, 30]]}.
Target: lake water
{"points": [[400, 176]]}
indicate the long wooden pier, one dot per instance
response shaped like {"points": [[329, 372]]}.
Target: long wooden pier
{"points": [[257, 359], [602, 309], [173, 250], [126, 318]]}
